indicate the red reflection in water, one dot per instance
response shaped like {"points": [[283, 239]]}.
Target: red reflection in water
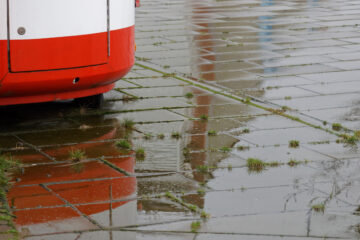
{"points": [[48, 197]]}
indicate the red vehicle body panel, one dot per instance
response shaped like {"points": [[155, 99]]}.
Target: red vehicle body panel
{"points": [[42, 86]]}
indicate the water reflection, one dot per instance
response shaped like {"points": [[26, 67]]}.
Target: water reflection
{"points": [[54, 194]]}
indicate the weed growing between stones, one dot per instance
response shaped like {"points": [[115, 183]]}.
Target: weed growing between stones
{"points": [[348, 139], [202, 169], [160, 136], [319, 208], [204, 118], [293, 162], [225, 149], [212, 133], [7, 165], [176, 135], [294, 144], [76, 155], [195, 226], [255, 165], [189, 95], [128, 123], [140, 153], [148, 136], [336, 126], [123, 144], [246, 130], [242, 148]]}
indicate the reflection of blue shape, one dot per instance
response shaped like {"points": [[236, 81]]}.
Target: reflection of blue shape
{"points": [[266, 23], [313, 3], [270, 70], [267, 3]]}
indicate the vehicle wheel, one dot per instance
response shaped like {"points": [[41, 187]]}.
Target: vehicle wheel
{"points": [[95, 101]]}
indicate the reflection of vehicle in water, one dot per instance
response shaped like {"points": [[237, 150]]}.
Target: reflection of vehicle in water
{"points": [[66, 195], [63, 49]]}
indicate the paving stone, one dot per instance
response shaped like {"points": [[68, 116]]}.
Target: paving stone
{"points": [[143, 104], [64, 236], [321, 102], [148, 116], [301, 134], [45, 221]]}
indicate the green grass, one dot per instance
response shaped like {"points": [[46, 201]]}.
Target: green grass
{"points": [[201, 192], [294, 143], [293, 162], [319, 208], [128, 123], [148, 136], [273, 164], [186, 152], [140, 153], [176, 135], [247, 100], [7, 165], [76, 155], [212, 133], [246, 130], [123, 144], [255, 165], [204, 214], [336, 126], [189, 95], [225, 149], [195, 226], [348, 139], [242, 148], [202, 168], [160, 136], [204, 117]]}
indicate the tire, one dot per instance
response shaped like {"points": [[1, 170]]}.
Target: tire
{"points": [[95, 101]]}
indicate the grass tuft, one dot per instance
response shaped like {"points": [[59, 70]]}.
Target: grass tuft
{"points": [[140, 153], [176, 135], [225, 149], [202, 168], [246, 130], [293, 162], [336, 126], [242, 148], [128, 123], [76, 155], [160, 136], [123, 144], [319, 208], [204, 118], [255, 164], [212, 133], [189, 95], [195, 226], [294, 143], [148, 136]]}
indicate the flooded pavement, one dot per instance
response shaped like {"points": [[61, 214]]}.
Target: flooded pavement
{"points": [[247, 115]]}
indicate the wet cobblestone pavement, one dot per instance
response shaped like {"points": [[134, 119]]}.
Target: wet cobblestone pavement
{"points": [[248, 115]]}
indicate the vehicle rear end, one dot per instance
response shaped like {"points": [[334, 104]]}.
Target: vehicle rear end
{"points": [[63, 49]]}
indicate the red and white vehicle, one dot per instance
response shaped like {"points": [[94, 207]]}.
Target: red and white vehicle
{"points": [[63, 49]]}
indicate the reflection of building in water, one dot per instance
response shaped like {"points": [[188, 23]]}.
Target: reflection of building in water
{"points": [[223, 43]]}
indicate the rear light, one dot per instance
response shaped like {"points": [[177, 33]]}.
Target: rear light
{"points": [[137, 3]]}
